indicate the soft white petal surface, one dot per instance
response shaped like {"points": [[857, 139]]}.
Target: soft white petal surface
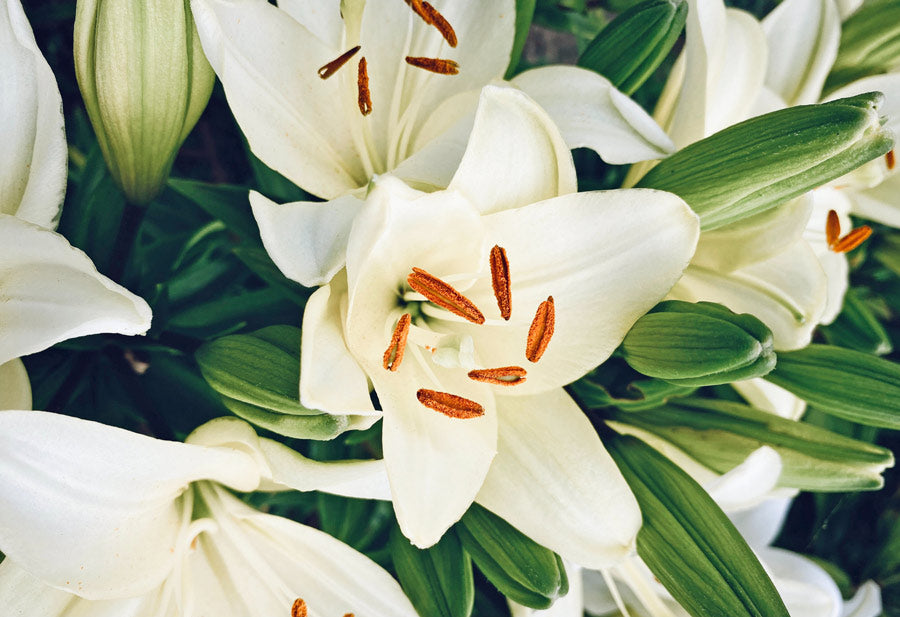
{"points": [[769, 397], [591, 113], [15, 388], [323, 19], [806, 588], [33, 153], [865, 603], [94, 509], [50, 292], [554, 481], [760, 525], [746, 485], [834, 265]]}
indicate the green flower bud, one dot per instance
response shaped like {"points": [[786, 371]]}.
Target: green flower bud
{"points": [[633, 45], [870, 43], [698, 344], [762, 162], [145, 82]]}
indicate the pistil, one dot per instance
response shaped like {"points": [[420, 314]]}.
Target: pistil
{"points": [[393, 356], [541, 330], [444, 295], [449, 404], [500, 281], [502, 376]]}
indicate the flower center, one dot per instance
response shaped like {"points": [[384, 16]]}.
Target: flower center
{"points": [[847, 243]]}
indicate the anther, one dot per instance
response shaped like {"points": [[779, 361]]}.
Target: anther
{"points": [[299, 608], [364, 99], [500, 281], [450, 404], [332, 67], [502, 376], [393, 356], [435, 65], [852, 239], [832, 228], [432, 17], [890, 160], [444, 295], [541, 330]]}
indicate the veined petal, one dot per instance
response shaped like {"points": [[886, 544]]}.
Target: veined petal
{"points": [[322, 19], [606, 257], [94, 509], [767, 396], [747, 484], [15, 389], [803, 38], [515, 155], [879, 203], [50, 291], [806, 588], [786, 292], [306, 240], [554, 481], [33, 153], [760, 525], [865, 603], [591, 113], [268, 64]]}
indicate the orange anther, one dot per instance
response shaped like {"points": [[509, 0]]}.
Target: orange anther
{"points": [[450, 404], [332, 67], [852, 239], [435, 65], [890, 160], [541, 330], [364, 98], [298, 609], [444, 295], [502, 376], [393, 355]]}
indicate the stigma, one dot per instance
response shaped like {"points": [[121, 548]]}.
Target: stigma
{"points": [[847, 243]]}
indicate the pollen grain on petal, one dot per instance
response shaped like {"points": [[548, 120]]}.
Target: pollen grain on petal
{"points": [[852, 240], [449, 404], [501, 376], [541, 330], [298, 609], [500, 281], [364, 99], [444, 295], [434, 65], [393, 355], [332, 67], [890, 159], [832, 228]]}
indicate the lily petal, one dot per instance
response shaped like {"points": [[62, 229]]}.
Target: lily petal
{"points": [[52, 292], [306, 240], [591, 113], [515, 156], [747, 484], [879, 203], [94, 509], [554, 481], [15, 389], [323, 19], [865, 603], [33, 153], [803, 38], [806, 588], [888, 84], [835, 265], [760, 525], [767, 396]]}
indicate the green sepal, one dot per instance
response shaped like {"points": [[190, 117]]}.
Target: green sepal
{"points": [[857, 328], [760, 163], [633, 45], [688, 542], [721, 434], [437, 580], [846, 383], [321, 426], [520, 568], [524, 15], [639, 394], [698, 344], [870, 43]]}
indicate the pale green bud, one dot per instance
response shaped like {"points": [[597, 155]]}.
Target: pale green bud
{"points": [[870, 43], [145, 82], [765, 161]]}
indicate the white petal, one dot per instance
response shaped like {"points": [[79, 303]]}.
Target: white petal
{"points": [[888, 84], [330, 377], [268, 64], [834, 265], [879, 203], [747, 484], [323, 19], [806, 589], [786, 292], [15, 389], [554, 481], [94, 509], [306, 240], [865, 603], [50, 291], [591, 113], [515, 156], [803, 38], [769, 397], [33, 153], [606, 257], [760, 525]]}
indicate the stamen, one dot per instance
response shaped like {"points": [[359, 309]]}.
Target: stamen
{"points": [[832, 228], [393, 356], [890, 160], [299, 608], [541, 330], [435, 65], [500, 281], [332, 67], [364, 99], [432, 17], [450, 404], [444, 295], [502, 376], [852, 240]]}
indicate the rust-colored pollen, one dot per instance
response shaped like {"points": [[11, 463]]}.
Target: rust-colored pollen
{"points": [[500, 281], [298, 609], [444, 295], [364, 99], [332, 67], [393, 355], [832, 228], [433, 17], [502, 376], [541, 330], [450, 404], [890, 160], [435, 65], [852, 239]]}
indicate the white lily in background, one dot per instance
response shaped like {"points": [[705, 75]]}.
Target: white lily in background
{"points": [[100, 521], [440, 322]]}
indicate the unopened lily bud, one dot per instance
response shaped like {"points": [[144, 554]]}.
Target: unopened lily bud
{"points": [[145, 82], [698, 344], [870, 43], [762, 162], [634, 44]]}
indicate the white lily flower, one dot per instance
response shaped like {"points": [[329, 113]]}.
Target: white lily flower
{"points": [[101, 521], [439, 322]]}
